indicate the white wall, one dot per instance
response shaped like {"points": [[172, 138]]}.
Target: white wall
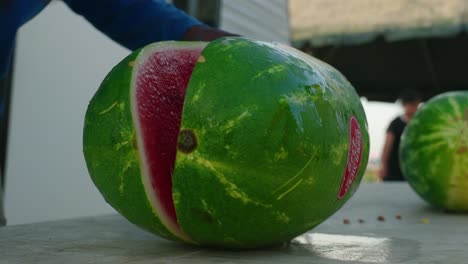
{"points": [[61, 60], [259, 19]]}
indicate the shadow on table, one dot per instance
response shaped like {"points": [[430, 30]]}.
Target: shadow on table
{"points": [[308, 248]]}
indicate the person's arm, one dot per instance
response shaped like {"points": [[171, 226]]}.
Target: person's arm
{"points": [[389, 139], [135, 23], [205, 33]]}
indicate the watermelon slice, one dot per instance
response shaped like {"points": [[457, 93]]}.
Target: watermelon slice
{"points": [[160, 80], [235, 143], [152, 111]]}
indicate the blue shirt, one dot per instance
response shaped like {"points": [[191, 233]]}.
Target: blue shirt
{"points": [[132, 23]]}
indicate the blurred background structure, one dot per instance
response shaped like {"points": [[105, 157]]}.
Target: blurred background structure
{"points": [[385, 47], [381, 46]]}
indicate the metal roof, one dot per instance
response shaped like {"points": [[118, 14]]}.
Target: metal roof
{"points": [[331, 22]]}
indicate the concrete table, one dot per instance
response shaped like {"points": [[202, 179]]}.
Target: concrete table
{"points": [[382, 223]]}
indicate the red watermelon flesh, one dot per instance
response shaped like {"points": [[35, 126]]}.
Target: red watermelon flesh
{"points": [[161, 81]]}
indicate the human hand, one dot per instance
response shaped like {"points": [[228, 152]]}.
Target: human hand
{"points": [[382, 173], [204, 33]]}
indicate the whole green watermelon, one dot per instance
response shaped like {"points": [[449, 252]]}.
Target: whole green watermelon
{"points": [[434, 151], [234, 143]]}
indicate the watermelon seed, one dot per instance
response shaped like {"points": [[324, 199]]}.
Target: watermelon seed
{"points": [[462, 149], [425, 221], [187, 141], [201, 59]]}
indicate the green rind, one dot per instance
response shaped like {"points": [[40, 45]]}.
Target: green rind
{"points": [[111, 152], [434, 151], [273, 137]]}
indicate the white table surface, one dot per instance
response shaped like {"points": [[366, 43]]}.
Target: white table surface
{"points": [[422, 235]]}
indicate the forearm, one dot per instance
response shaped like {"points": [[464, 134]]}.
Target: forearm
{"points": [[384, 157], [389, 138], [204, 33], [135, 23]]}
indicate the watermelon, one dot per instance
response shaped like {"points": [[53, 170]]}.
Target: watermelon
{"points": [[235, 143], [434, 151]]}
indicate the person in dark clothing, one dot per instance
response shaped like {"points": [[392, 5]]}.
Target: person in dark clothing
{"points": [[131, 23], [390, 169]]}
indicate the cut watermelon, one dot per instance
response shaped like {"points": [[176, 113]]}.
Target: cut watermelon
{"points": [[234, 143]]}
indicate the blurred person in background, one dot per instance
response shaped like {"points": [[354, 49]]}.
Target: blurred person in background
{"points": [[131, 23], [390, 168]]}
